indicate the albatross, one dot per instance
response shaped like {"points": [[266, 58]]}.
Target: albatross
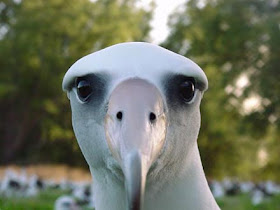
{"points": [[136, 117]]}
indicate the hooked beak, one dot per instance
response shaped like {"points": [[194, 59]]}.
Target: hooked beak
{"points": [[135, 126]]}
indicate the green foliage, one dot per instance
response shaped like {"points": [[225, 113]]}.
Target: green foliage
{"points": [[40, 41], [230, 39]]}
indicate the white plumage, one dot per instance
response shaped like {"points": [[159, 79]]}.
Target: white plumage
{"points": [[66, 202], [135, 113]]}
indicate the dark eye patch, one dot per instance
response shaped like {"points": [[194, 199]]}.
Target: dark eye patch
{"points": [[92, 87], [179, 89]]}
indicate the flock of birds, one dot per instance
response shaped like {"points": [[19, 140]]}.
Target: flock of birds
{"points": [[20, 185], [81, 193], [259, 192]]}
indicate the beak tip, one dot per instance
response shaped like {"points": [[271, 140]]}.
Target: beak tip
{"points": [[135, 178]]}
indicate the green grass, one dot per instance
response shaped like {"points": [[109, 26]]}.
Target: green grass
{"points": [[46, 199], [242, 202]]}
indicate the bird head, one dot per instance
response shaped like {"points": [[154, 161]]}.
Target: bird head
{"points": [[135, 112]]}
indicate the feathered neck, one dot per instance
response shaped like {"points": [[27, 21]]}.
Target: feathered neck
{"points": [[189, 190]]}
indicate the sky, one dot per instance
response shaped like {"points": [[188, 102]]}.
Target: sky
{"points": [[159, 23]]}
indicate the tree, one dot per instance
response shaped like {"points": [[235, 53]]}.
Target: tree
{"points": [[39, 40], [229, 40]]}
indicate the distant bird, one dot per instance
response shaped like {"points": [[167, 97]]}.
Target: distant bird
{"points": [[35, 185], [82, 193], [66, 202], [11, 185], [246, 187], [231, 187], [20, 185], [264, 190], [271, 188], [135, 113], [217, 189], [257, 196]]}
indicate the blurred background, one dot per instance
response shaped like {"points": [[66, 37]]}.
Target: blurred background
{"points": [[236, 42]]}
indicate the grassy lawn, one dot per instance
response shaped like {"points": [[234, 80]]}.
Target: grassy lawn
{"points": [[45, 201], [242, 202]]}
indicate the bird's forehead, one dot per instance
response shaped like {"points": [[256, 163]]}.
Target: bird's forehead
{"points": [[134, 59]]}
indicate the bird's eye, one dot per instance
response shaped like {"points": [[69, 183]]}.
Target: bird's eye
{"points": [[187, 90], [84, 89]]}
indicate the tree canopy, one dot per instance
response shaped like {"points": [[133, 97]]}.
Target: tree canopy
{"points": [[236, 42], [39, 40]]}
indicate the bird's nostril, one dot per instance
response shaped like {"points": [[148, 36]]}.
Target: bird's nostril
{"points": [[152, 117], [119, 115]]}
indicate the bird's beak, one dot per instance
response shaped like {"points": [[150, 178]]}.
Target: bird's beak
{"points": [[135, 127]]}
